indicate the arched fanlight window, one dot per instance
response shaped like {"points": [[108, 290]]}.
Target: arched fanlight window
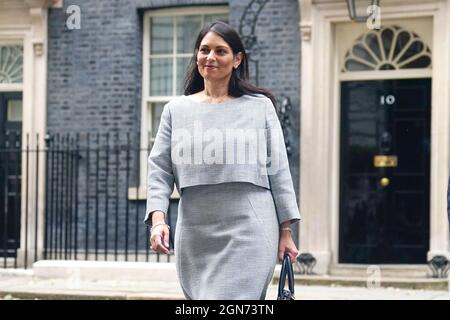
{"points": [[11, 64], [389, 48]]}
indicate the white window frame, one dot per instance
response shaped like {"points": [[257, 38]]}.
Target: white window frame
{"points": [[347, 37], [146, 121], [12, 87]]}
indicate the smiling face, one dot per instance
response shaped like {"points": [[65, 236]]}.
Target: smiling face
{"points": [[215, 58]]}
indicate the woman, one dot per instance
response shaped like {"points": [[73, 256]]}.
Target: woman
{"points": [[234, 213]]}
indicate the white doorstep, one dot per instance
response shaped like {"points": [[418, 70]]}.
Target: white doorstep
{"points": [[101, 270]]}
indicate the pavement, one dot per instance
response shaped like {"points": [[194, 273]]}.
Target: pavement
{"points": [[25, 285]]}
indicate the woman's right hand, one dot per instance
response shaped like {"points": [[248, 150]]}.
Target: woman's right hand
{"points": [[159, 239]]}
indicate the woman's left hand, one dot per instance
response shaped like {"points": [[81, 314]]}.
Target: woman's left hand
{"points": [[286, 245]]}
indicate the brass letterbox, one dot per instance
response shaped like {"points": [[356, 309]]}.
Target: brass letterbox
{"points": [[381, 161]]}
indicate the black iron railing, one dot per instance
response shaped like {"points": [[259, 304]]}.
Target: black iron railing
{"points": [[73, 196]]}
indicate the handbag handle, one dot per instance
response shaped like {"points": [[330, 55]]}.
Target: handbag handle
{"points": [[286, 270]]}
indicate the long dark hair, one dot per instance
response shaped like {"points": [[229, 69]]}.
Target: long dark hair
{"points": [[239, 81]]}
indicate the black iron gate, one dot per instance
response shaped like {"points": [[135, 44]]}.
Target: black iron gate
{"points": [[92, 208]]}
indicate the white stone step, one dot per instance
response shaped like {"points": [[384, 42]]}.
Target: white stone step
{"points": [[420, 271], [104, 270]]}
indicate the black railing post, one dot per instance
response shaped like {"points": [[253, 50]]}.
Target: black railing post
{"points": [[86, 254], [47, 193], [106, 194], [5, 203], [52, 221], [77, 155], [65, 191], [59, 196], [36, 199], [64, 175], [96, 194], [26, 201], [116, 229], [127, 183], [138, 149], [18, 146], [55, 201], [70, 155]]}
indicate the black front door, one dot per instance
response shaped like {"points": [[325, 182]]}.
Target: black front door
{"points": [[385, 171], [10, 167]]}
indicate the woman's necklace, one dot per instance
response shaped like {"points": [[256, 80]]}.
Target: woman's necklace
{"points": [[213, 100]]}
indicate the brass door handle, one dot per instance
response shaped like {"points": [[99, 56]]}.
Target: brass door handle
{"points": [[384, 182]]}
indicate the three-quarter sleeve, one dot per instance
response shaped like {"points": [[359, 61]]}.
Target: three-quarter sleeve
{"points": [[278, 171], [160, 178]]}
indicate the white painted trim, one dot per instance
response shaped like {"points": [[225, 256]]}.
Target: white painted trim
{"points": [[11, 87], [33, 38], [440, 133], [57, 3], [144, 104], [13, 41], [195, 10], [13, 35], [315, 227], [320, 122], [383, 75]]}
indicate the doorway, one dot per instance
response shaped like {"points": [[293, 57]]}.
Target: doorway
{"points": [[10, 172], [385, 171]]}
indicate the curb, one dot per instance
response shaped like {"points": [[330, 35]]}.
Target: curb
{"points": [[30, 295]]}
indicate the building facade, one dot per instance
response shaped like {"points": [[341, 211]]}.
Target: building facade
{"points": [[368, 93], [364, 109]]}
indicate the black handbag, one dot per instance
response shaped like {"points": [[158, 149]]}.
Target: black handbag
{"points": [[286, 270]]}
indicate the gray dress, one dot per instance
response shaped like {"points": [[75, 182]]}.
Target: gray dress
{"points": [[226, 237], [226, 241]]}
